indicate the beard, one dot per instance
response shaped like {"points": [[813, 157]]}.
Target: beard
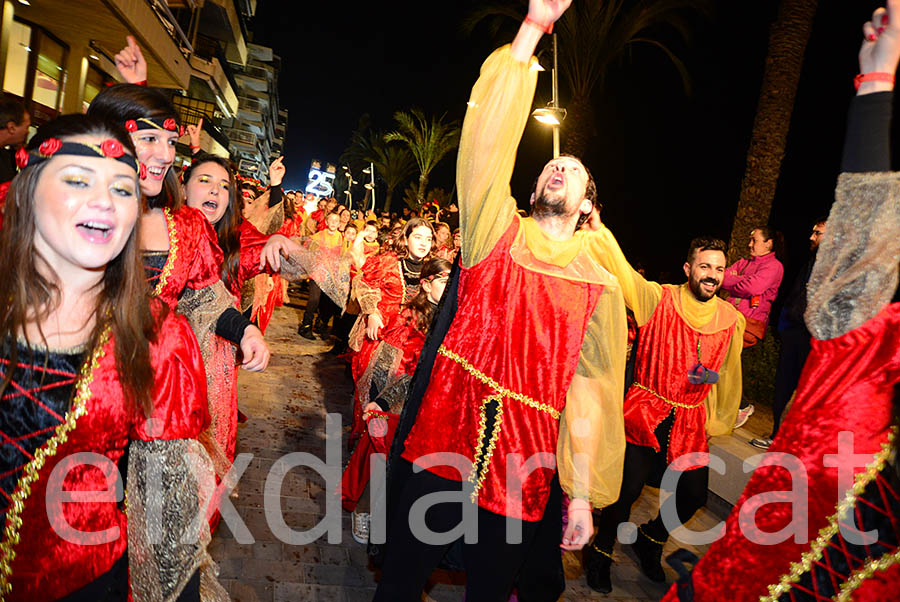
{"points": [[699, 293], [549, 205]]}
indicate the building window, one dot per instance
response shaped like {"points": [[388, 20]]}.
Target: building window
{"points": [[35, 70]]}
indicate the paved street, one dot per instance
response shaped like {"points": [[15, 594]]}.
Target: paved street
{"points": [[287, 406]]}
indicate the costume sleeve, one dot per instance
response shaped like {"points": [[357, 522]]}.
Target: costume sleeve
{"points": [[499, 107], [274, 195], [641, 296], [366, 284], [252, 243], [724, 397], [766, 277], [591, 447], [208, 257], [855, 274]]}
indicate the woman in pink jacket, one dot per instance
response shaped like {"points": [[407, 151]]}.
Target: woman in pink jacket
{"points": [[752, 285]]}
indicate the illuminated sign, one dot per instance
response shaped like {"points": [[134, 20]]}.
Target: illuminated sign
{"points": [[321, 183]]}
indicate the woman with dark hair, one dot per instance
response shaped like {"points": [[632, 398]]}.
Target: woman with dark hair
{"points": [[382, 371], [389, 279], [209, 185], [87, 371], [181, 255], [820, 517]]}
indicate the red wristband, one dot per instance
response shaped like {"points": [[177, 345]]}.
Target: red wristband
{"points": [[548, 29], [875, 76], [192, 146]]}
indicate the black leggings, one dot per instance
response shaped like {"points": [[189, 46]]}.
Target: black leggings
{"points": [[644, 464], [320, 303], [493, 566]]}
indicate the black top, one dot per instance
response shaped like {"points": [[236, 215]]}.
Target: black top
{"points": [[7, 164], [868, 143]]}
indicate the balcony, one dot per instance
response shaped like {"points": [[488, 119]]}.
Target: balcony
{"points": [[213, 73], [251, 110], [242, 140], [220, 20], [103, 25], [260, 53], [253, 78]]}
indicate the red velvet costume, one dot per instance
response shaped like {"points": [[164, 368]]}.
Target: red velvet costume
{"points": [[252, 243], [45, 566], [847, 386], [667, 350], [400, 345], [384, 273], [541, 315]]}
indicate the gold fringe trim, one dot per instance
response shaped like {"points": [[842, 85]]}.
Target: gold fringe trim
{"points": [[483, 452], [668, 401], [607, 554], [817, 548], [644, 533], [497, 387], [48, 450], [173, 253]]}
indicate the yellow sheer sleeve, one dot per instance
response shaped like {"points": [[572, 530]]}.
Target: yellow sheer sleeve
{"points": [[724, 398], [591, 447], [498, 111], [641, 295]]}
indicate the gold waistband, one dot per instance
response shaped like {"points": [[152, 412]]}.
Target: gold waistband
{"points": [[497, 387], [668, 401]]}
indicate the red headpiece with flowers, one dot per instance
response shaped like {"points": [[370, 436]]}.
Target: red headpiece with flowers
{"points": [[154, 123], [51, 147]]}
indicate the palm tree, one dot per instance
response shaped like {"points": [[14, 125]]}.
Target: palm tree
{"points": [[787, 45], [592, 37], [395, 164], [428, 141]]}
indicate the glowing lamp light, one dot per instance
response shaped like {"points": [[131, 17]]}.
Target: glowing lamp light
{"points": [[549, 115]]}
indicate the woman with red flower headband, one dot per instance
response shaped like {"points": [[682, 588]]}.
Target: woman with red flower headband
{"points": [[90, 390], [182, 256]]}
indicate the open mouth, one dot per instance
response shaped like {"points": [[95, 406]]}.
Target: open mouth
{"points": [[210, 206], [556, 181], [95, 231], [156, 172]]}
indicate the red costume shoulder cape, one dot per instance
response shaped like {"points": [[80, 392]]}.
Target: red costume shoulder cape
{"points": [[847, 385], [500, 380], [666, 351], [194, 255], [384, 273], [45, 566]]}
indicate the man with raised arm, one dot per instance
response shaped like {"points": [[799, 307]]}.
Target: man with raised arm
{"points": [[525, 394]]}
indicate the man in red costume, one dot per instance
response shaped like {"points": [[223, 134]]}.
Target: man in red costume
{"points": [[687, 387], [525, 394]]}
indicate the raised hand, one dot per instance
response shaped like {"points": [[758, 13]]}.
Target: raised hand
{"points": [[194, 132], [880, 51], [131, 63], [276, 172], [547, 12]]}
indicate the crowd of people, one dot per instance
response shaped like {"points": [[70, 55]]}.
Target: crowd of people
{"points": [[515, 368]]}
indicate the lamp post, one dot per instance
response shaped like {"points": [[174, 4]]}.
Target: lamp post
{"points": [[370, 170], [350, 183], [552, 115]]}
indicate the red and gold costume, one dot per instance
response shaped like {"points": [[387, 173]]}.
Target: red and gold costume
{"points": [[38, 563], [849, 385], [534, 359]]}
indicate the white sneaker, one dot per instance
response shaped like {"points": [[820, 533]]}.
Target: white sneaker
{"points": [[761, 442], [743, 416], [359, 527]]}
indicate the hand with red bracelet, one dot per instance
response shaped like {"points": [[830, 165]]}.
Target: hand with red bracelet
{"points": [[880, 51], [194, 133], [544, 13], [131, 63]]}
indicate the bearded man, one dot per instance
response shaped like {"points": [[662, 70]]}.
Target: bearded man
{"points": [[687, 388], [524, 397]]}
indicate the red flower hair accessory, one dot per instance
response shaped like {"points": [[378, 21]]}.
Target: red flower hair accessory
{"points": [[112, 148], [180, 131], [49, 146], [131, 125], [170, 124], [22, 158], [142, 171]]}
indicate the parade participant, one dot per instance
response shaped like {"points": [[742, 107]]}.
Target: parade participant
{"points": [[389, 279], [443, 241], [751, 285], [370, 244], [350, 234], [829, 528], [181, 254], [93, 366], [344, 214], [209, 185], [319, 308], [381, 372], [531, 366], [687, 383], [14, 121]]}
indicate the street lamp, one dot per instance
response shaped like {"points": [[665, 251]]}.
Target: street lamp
{"points": [[350, 183], [370, 171], [552, 115]]}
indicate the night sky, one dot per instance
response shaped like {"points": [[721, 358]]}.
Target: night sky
{"points": [[668, 166]]}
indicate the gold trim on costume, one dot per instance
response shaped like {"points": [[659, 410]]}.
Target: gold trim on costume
{"points": [[483, 453], [668, 401], [173, 252], [817, 548], [497, 387], [47, 450]]}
